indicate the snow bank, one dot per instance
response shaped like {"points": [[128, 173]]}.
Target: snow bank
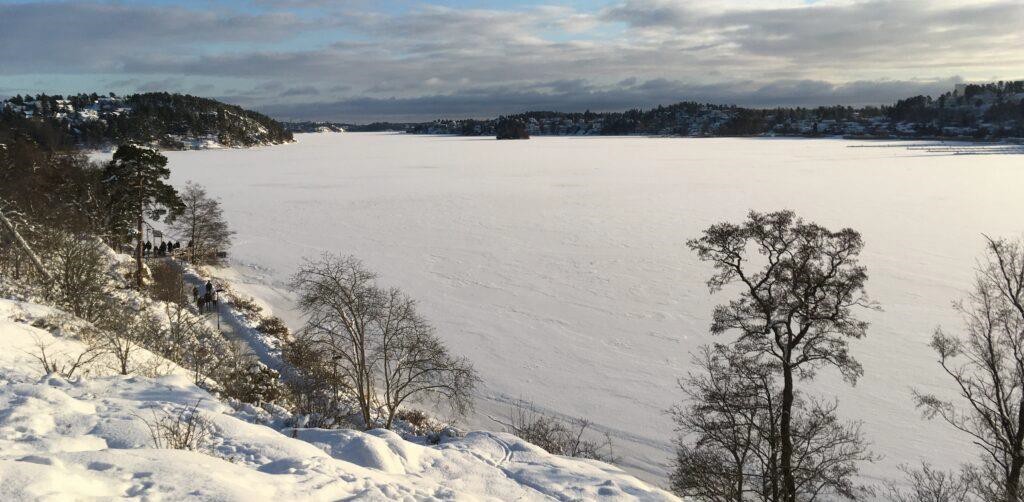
{"points": [[86, 437]]}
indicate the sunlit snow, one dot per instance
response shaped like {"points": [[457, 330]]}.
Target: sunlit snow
{"points": [[559, 266]]}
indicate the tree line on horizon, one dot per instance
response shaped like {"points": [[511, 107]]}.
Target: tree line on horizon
{"points": [[978, 111]]}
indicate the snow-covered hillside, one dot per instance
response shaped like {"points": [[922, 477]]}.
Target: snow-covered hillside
{"points": [[87, 438]]}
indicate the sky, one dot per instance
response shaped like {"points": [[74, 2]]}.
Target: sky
{"points": [[403, 60]]}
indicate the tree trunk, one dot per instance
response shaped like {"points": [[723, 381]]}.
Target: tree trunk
{"points": [[788, 481], [138, 239], [739, 482], [32, 256], [1013, 478], [138, 253]]}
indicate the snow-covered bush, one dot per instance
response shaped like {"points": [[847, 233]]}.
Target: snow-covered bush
{"points": [[274, 326], [247, 306], [253, 383]]}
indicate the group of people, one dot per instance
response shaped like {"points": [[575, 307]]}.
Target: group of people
{"points": [[205, 299], [161, 250]]}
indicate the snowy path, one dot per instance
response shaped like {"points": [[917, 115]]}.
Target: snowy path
{"points": [[230, 323]]}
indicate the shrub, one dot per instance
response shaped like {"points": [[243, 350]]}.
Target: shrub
{"points": [[247, 306], [275, 327], [253, 383], [568, 437], [80, 283], [185, 429], [168, 284], [63, 364]]}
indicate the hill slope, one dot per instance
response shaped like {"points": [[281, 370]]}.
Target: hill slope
{"points": [[88, 437], [168, 121]]}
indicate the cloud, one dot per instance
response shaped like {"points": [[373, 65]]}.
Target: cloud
{"points": [[305, 90], [369, 61], [86, 37]]}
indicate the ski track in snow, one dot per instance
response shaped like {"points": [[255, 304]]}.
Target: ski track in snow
{"points": [[559, 266]]}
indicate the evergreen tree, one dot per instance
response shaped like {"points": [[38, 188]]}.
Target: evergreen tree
{"points": [[135, 189]]}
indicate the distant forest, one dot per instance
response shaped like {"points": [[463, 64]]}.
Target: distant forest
{"points": [[992, 111], [164, 120]]}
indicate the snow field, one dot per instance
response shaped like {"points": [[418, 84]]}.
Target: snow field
{"points": [[559, 267]]}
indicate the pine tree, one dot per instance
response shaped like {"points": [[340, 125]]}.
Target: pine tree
{"points": [[135, 190]]}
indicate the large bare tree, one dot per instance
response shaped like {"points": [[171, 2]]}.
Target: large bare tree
{"points": [[372, 340], [202, 223], [799, 287], [730, 436], [414, 363], [340, 301], [986, 362]]}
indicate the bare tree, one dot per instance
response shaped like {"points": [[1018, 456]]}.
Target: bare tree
{"points": [[730, 436], [728, 445], [795, 307], [124, 332], [62, 364], [372, 339], [80, 283], [414, 363], [927, 484], [202, 223], [340, 301], [986, 362], [183, 331]]}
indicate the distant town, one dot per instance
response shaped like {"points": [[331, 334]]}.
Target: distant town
{"points": [[991, 111]]}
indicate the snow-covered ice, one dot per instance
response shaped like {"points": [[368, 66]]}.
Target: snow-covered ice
{"points": [[559, 266]]}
